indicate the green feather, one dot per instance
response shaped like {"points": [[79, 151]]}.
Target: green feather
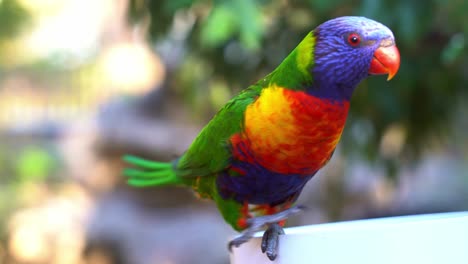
{"points": [[294, 72], [209, 153], [149, 173], [146, 164]]}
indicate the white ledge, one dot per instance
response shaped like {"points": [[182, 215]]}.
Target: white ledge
{"points": [[426, 239]]}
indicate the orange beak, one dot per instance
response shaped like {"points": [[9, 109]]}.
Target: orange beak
{"points": [[386, 60]]}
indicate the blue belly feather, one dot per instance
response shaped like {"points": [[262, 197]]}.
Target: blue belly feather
{"points": [[258, 185]]}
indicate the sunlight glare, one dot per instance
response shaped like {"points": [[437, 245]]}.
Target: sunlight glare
{"points": [[132, 67], [74, 28]]}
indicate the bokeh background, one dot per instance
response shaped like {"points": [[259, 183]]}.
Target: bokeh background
{"points": [[83, 81]]}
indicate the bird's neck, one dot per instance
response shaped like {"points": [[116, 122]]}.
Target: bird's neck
{"points": [[294, 72], [301, 71], [332, 91]]}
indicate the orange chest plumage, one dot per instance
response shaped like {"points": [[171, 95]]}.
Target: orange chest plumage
{"points": [[291, 132]]}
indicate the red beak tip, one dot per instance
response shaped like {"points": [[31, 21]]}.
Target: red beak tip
{"points": [[386, 60]]}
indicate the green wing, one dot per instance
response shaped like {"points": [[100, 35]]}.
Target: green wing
{"points": [[209, 152]]}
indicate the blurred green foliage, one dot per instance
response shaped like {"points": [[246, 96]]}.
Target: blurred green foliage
{"points": [[34, 164], [223, 22], [12, 18], [236, 42]]}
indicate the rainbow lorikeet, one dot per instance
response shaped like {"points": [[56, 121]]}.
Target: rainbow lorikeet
{"points": [[255, 156]]}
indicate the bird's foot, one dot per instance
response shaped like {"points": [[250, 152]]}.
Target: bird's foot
{"points": [[271, 235], [270, 240]]}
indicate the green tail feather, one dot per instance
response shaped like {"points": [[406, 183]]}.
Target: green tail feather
{"points": [[150, 173]]}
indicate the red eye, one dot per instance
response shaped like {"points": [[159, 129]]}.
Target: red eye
{"points": [[354, 39]]}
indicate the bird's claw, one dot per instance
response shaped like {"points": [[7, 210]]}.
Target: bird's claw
{"points": [[270, 240]]}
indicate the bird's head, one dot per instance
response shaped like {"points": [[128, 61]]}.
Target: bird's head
{"points": [[347, 50]]}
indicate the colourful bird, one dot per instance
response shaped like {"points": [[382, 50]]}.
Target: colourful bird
{"points": [[257, 153]]}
